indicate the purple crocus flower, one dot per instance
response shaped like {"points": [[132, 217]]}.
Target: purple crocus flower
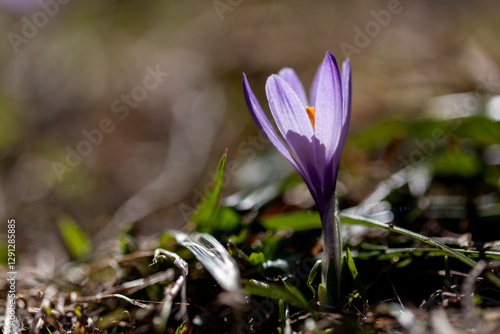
{"points": [[314, 131]]}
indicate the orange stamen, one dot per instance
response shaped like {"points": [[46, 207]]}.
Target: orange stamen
{"points": [[310, 113]]}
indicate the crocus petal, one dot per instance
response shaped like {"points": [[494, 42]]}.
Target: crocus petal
{"points": [[346, 114], [265, 126], [293, 80], [287, 109], [263, 123], [328, 116], [314, 88], [294, 124], [346, 98], [329, 106]]}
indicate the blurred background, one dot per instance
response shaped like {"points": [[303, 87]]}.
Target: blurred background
{"points": [[117, 112]]}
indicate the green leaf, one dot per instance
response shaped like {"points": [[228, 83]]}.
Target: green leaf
{"points": [[379, 134], [312, 275], [256, 258], [329, 294], [4, 250], [297, 221], [353, 219], [357, 220], [270, 244], [127, 241], [456, 161], [289, 294], [265, 250], [227, 219], [357, 280], [74, 238], [413, 252], [11, 124], [323, 295], [295, 292], [481, 130], [404, 263], [205, 214], [184, 328], [282, 315], [78, 311], [239, 238]]}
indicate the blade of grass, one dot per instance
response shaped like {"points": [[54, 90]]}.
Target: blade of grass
{"points": [[312, 275], [352, 219], [282, 315], [357, 220], [297, 221], [76, 241], [294, 291], [206, 211], [357, 280], [416, 252], [277, 292]]}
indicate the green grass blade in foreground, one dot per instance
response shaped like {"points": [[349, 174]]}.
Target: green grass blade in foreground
{"points": [[351, 219], [282, 313], [294, 291], [357, 280], [386, 254], [297, 221], [357, 220], [290, 295], [312, 275], [204, 216], [76, 241]]}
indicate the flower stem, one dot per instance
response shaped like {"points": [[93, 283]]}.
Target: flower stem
{"points": [[332, 253]]}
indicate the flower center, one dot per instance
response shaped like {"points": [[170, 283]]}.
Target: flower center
{"points": [[310, 113]]}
